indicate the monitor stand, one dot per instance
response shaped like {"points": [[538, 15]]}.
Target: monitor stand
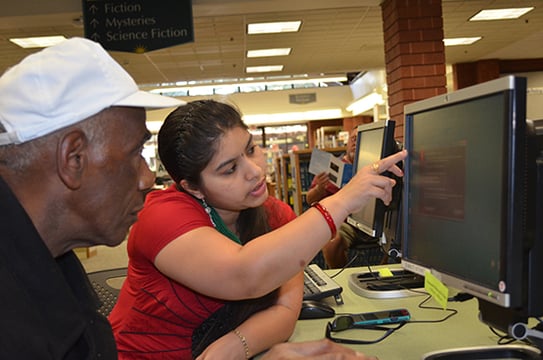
{"points": [[509, 352], [402, 283]]}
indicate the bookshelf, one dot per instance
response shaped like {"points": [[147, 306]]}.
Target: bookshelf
{"points": [[277, 177], [285, 180]]}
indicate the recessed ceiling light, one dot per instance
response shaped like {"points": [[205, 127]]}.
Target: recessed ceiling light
{"points": [[268, 52], [38, 42], [273, 27], [500, 14], [461, 41], [260, 69]]}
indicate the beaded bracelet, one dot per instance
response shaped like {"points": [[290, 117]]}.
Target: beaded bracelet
{"points": [[327, 217], [243, 342]]}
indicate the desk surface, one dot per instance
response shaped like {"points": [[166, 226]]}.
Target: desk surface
{"points": [[413, 340]]}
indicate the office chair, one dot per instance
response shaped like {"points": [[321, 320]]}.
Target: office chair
{"points": [[107, 284]]}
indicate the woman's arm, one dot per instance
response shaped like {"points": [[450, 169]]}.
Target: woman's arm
{"points": [[208, 262], [263, 329]]}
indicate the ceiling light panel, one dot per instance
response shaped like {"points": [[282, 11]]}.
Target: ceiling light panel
{"points": [[267, 68], [37, 42], [461, 41], [273, 27], [268, 52], [500, 14]]}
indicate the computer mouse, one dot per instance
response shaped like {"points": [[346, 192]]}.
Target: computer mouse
{"points": [[313, 309]]}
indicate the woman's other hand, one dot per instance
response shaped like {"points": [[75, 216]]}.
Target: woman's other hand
{"points": [[314, 350]]}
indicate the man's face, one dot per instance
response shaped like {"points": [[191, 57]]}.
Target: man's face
{"points": [[117, 177], [351, 144]]}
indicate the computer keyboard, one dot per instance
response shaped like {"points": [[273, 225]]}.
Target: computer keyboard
{"points": [[318, 285]]}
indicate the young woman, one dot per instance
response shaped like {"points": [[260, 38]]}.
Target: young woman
{"points": [[215, 262]]}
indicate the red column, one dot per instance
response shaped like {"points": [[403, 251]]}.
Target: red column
{"points": [[414, 53]]}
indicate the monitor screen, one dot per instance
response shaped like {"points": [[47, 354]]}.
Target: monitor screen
{"points": [[468, 209], [374, 141]]}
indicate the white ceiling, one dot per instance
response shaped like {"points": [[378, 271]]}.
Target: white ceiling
{"points": [[337, 36]]}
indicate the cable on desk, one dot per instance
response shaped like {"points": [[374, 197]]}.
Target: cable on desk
{"points": [[421, 306], [503, 339], [344, 266], [365, 257], [349, 263], [506, 339], [388, 330]]}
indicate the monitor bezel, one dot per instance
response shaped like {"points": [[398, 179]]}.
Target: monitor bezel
{"points": [[514, 160], [387, 148]]}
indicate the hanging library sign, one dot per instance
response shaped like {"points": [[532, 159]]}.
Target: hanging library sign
{"points": [[304, 98], [138, 26]]}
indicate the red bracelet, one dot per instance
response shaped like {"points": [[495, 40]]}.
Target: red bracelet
{"points": [[327, 217]]}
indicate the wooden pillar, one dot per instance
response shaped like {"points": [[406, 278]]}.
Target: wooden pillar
{"points": [[467, 74], [471, 73], [414, 53], [350, 122]]}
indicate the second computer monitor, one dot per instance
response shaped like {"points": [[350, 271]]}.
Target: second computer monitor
{"points": [[374, 141], [474, 182]]}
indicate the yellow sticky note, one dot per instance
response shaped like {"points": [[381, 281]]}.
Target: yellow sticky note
{"points": [[439, 292], [385, 272]]}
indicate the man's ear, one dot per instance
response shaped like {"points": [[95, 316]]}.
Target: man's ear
{"points": [[72, 158], [191, 190]]}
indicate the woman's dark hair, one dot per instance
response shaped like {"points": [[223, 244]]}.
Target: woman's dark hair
{"points": [[187, 141]]}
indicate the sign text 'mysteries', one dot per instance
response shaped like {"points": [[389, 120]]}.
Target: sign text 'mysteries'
{"points": [[138, 25]]}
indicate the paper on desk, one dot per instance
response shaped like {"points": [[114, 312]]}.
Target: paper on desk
{"points": [[338, 171]]}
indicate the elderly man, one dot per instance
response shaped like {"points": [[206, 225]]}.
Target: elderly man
{"points": [[72, 127]]}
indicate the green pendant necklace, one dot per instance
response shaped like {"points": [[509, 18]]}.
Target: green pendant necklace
{"points": [[217, 221]]}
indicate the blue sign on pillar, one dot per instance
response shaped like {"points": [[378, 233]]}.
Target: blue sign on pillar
{"points": [[138, 25]]}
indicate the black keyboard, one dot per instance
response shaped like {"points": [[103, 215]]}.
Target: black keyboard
{"points": [[318, 285]]}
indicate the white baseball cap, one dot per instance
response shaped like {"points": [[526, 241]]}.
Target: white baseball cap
{"points": [[63, 85]]}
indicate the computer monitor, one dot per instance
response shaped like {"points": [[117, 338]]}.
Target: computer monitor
{"points": [[472, 204], [374, 141]]}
